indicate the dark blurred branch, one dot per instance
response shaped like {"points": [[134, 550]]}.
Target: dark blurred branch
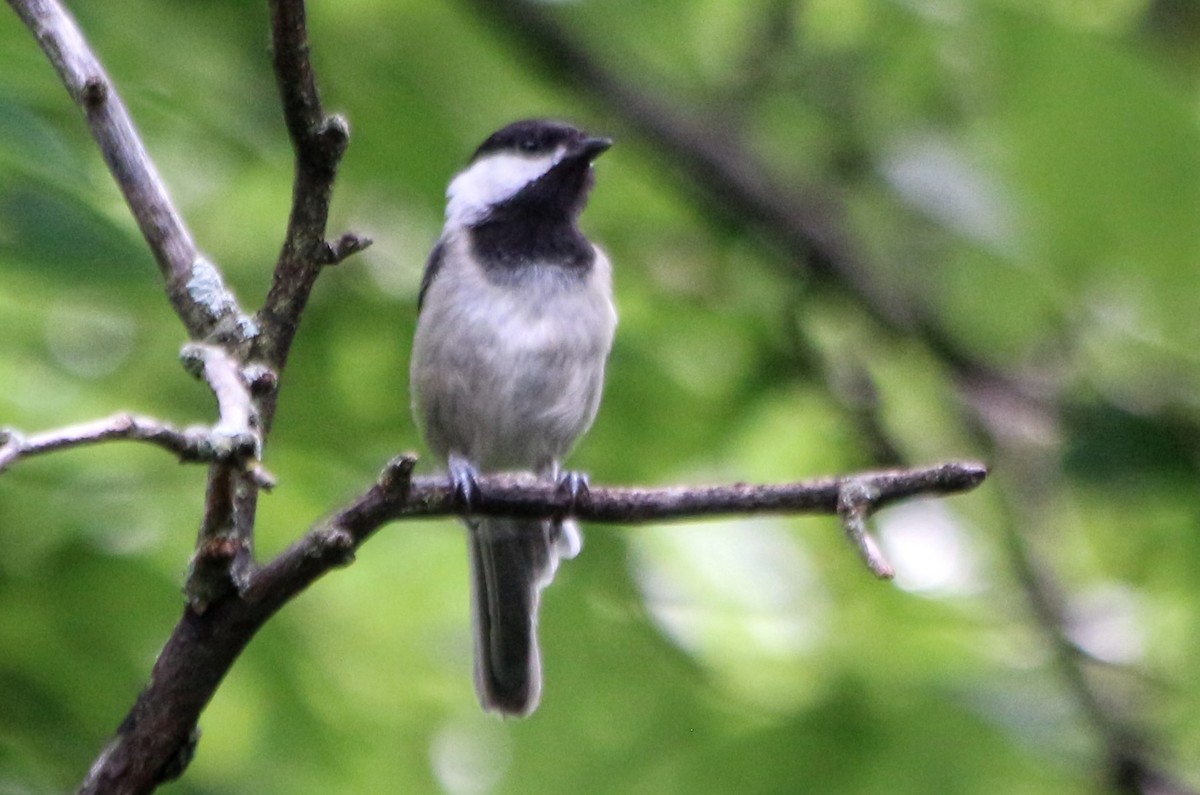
{"points": [[847, 379], [708, 153], [1131, 767], [771, 43], [733, 182], [319, 141], [195, 287], [809, 224]]}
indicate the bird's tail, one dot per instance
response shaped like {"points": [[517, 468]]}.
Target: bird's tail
{"points": [[511, 562]]}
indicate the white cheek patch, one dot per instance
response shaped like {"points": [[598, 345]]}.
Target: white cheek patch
{"points": [[491, 180]]}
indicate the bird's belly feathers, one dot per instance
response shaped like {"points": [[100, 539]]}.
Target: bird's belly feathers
{"points": [[520, 368]]}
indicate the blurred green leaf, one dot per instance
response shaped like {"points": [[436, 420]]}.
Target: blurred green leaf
{"points": [[1026, 174]]}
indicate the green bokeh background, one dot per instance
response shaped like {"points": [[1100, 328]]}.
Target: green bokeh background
{"points": [[1028, 171]]}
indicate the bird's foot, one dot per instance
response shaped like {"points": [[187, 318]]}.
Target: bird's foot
{"points": [[464, 477], [574, 486]]}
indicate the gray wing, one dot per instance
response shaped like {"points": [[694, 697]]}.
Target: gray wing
{"points": [[432, 266]]}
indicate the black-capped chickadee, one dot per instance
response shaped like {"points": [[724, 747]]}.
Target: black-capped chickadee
{"points": [[515, 326]]}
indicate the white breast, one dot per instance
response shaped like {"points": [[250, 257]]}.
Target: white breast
{"points": [[509, 375]]}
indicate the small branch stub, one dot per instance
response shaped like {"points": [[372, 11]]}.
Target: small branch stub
{"points": [[397, 475], [94, 93], [333, 135], [347, 245], [856, 501]]}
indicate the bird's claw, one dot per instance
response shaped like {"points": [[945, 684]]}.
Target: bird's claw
{"points": [[574, 486], [464, 478]]}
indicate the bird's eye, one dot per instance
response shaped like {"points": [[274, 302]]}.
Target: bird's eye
{"points": [[529, 145]]}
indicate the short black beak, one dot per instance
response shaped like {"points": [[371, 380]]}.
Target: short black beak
{"points": [[591, 148], [568, 182]]}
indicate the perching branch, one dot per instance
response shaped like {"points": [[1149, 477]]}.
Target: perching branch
{"points": [[397, 495], [205, 645]]}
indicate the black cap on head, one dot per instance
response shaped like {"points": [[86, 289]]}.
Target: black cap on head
{"points": [[536, 136]]}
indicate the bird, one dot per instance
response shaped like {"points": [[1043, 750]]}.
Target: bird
{"points": [[514, 328]]}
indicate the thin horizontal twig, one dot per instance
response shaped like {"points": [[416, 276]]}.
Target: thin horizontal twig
{"points": [[196, 443]]}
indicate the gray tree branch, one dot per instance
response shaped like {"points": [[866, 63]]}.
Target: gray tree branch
{"points": [[195, 287], [242, 369], [398, 495], [198, 443]]}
